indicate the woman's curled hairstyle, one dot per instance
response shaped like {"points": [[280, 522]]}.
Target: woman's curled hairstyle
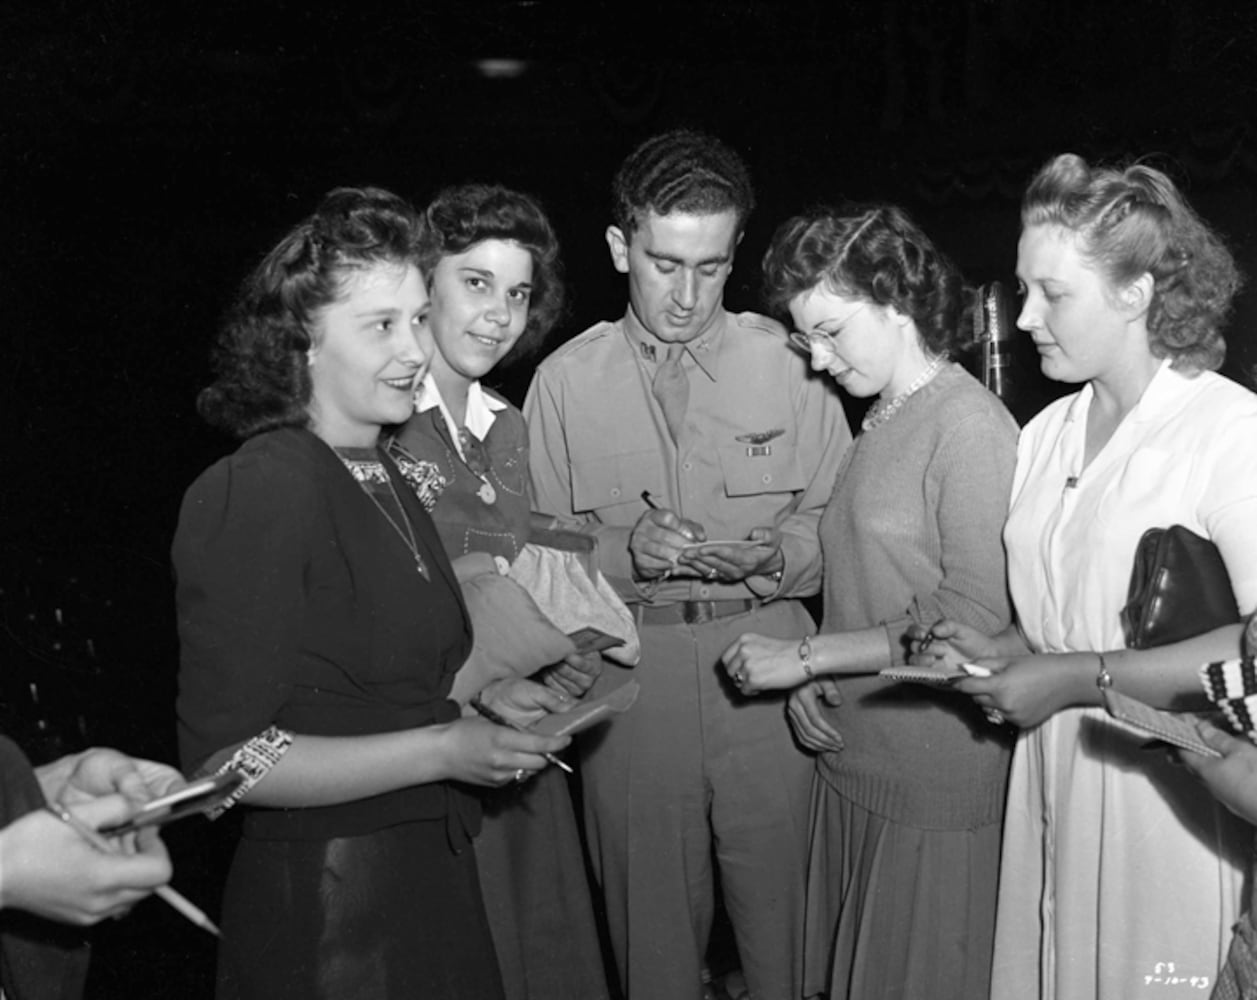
{"points": [[1131, 221], [461, 216], [875, 253], [260, 361]]}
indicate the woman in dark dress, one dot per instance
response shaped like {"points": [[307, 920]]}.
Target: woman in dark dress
{"points": [[321, 626]]}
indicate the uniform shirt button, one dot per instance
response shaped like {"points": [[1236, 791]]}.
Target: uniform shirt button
{"points": [[615, 491]]}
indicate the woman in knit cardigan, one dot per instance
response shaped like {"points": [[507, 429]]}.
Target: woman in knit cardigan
{"points": [[910, 779]]}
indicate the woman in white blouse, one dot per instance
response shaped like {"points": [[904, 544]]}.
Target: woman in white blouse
{"points": [[1121, 877]]}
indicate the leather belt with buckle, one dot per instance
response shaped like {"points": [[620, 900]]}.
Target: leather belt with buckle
{"points": [[693, 612]]}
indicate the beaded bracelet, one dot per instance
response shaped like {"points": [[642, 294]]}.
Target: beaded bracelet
{"points": [[805, 654]]}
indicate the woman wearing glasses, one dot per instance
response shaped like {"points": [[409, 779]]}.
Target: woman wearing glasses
{"points": [[909, 786]]}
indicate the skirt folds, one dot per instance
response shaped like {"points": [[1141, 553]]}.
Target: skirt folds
{"points": [[391, 914], [894, 911], [536, 892]]}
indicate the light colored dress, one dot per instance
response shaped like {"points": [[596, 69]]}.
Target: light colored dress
{"points": [[1121, 876]]}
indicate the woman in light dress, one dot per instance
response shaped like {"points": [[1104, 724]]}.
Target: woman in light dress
{"points": [[1121, 876]]}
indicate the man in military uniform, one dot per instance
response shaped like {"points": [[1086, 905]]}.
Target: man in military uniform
{"points": [[677, 425]]}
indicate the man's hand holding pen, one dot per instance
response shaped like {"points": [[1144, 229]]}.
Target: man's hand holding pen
{"points": [[657, 541], [729, 562], [663, 545]]}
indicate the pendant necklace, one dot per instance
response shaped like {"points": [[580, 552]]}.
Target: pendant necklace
{"points": [[475, 460], [408, 538], [883, 409], [370, 474]]}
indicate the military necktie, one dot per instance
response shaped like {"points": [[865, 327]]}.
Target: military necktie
{"points": [[672, 388]]}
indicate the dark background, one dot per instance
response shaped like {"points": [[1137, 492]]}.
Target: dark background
{"points": [[150, 153]]}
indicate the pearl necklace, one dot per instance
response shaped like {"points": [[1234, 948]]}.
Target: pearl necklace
{"points": [[883, 409]]}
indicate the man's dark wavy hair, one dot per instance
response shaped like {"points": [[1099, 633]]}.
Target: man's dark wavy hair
{"points": [[260, 362], [681, 171], [461, 216]]}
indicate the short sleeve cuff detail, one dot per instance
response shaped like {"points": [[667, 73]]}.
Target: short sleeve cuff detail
{"points": [[253, 761]]}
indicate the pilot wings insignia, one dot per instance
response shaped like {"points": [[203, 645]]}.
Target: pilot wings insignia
{"points": [[760, 437]]}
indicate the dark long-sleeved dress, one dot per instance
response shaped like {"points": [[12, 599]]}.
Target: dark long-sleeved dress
{"points": [[301, 606]]}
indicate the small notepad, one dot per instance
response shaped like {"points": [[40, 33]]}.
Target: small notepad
{"points": [[587, 713], [936, 677], [1171, 727]]}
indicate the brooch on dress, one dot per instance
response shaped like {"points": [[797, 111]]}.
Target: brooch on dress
{"points": [[424, 477]]}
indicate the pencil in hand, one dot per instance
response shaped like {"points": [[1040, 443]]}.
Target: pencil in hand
{"points": [[174, 899], [499, 720]]}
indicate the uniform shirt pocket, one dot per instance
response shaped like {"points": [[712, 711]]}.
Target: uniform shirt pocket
{"points": [[753, 469], [611, 480]]}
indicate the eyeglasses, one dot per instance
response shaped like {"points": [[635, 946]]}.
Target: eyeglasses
{"points": [[806, 341]]}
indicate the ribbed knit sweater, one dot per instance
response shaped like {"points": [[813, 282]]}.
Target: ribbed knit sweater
{"points": [[912, 534]]}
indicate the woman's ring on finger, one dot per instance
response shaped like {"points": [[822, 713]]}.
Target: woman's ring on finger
{"points": [[995, 717], [711, 574], [521, 774]]}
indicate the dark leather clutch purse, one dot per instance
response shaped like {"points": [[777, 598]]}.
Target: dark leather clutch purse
{"points": [[1179, 588]]}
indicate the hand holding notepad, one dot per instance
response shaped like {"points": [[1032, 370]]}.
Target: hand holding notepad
{"points": [[934, 676], [587, 713], [1175, 728]]}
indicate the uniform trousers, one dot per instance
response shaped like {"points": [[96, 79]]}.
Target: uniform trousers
{"points": [[695, 771]]}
